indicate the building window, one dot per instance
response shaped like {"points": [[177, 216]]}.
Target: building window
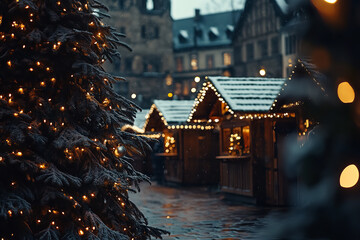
{"points": [[143, 32], [121, 4], [274, 46], [210, 61], [186, 88], [179, 64], [229, 31], [156, 32], [263, 46], [213, 33], [194, 62], [290, 44], [168, 80], [227, 59], [178, 88], [183, 36], [128, 65], [249, 51]]}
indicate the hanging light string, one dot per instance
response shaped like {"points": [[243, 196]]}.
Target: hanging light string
{"points": [[207, 86], [291, 77], [186, 126]]}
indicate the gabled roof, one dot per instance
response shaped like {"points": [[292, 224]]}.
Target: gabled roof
{"points": [[249, 94], [212, 30], [306, 84], [241, 96], [174, 111], [141, 118]]}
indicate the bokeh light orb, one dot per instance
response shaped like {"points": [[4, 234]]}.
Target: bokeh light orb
{"points": [[349, 176], [346, 93]]}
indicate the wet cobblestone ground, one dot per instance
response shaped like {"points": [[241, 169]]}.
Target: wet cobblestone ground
{"points": [[195, 213]]}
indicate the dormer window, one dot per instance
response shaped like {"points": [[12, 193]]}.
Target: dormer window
{"points": [[213, 33], [183, 36], [229, 31]]}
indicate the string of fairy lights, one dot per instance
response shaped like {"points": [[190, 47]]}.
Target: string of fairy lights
{"points": [[170, 144], [251, 116], [208, 85], [173, 126], [99, 42], [290, 78]]}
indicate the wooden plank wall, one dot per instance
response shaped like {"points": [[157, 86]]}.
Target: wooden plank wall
{"points": [[236, 176], [258, 152], [199, 151]]}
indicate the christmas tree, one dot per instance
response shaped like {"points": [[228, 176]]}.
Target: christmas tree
{"points": [[64, 163]]}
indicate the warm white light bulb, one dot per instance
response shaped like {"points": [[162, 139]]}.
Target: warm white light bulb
{"points": [[331, 1], [262, 72]]}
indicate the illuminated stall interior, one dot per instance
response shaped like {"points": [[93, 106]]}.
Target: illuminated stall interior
{"points": [[189, 148]]}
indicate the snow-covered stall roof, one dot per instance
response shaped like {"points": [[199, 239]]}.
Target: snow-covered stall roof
{"points": [[250, 94], [141, 118], [174, 111]]}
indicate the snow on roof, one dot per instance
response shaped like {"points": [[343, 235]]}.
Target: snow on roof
{"points": [[184, 34], [174, 111], [214, 30], [250, 94], [141, 118], [283, 5], [230, 28], [216, 24]]}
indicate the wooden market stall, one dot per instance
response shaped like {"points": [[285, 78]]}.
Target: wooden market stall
{"points": [[255, 116], [189, 149], [249, 132]]}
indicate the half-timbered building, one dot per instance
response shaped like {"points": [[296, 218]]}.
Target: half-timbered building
{"points": [[266, 39]]}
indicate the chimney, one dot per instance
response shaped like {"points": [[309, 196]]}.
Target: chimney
{"points": [[197, 15]]}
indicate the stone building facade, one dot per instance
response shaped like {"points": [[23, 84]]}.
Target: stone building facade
{"points": [[202, 47], [264, 40], [147, 25], [170, 58]]}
